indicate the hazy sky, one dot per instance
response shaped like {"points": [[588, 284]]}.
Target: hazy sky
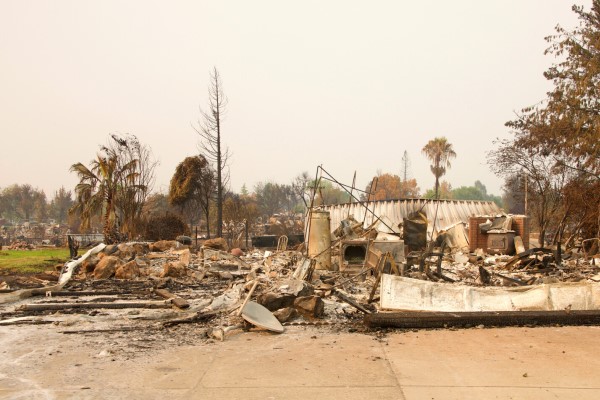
{"points": [[346, 84]]}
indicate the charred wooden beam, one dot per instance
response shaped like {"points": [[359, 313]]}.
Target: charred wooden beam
{"points": [[431, 319], [350, 301]]}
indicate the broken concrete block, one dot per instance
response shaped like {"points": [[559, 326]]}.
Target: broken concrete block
{"points": [[142, 262], [185, 257], [175, 270], [275, 301], [141, 248], [125, 251], [199, 275], [163, 245], [110, 249], [216, 243], [129, 270], [310, 306], [107, 267], [227, 299], [89, 264], [461, 258], [285, 314], [519, 247], [225, 275]]}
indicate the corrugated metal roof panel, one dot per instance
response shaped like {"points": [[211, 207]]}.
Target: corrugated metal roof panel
{"points": [[445, 212]]}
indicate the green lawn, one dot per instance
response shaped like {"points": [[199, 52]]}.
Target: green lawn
{"points": [[32, 261]]}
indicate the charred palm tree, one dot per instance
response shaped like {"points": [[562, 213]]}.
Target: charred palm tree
{"points": [[99, 188]]}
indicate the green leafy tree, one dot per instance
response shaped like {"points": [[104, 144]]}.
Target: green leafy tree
{"points": [[444, 192], [476, 192], [439, 151], [9, 199], [327, 194], [60, 205], [23, 203], [40, 207], [271, 198]]}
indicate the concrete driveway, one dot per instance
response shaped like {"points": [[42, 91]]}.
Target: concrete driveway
{"points": [[38, 362]]}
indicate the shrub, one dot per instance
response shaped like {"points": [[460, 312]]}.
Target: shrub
{"points": [[165, 227]]}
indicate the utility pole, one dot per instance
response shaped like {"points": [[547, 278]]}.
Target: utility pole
{"points": [[526, 180]]}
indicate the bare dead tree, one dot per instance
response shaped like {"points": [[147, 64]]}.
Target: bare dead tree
{"points": [[133, 195], [300, 187], [209, 129]]}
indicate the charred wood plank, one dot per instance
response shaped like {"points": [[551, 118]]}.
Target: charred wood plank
{"points": [[66, 306], [177, 301], [511, 280], [111, 330], [198, 317]]}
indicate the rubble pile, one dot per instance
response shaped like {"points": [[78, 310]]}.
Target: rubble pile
{"points": [[531, 268], [164, 284], [178, 284], [20, 245]]}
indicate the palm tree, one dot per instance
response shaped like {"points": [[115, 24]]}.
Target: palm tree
{"points": [[99, 189], [439, 152]]}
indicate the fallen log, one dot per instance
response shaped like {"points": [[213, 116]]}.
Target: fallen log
{"points": [[67, 306]]}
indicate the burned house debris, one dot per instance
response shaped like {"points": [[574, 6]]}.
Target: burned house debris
{"points": [[404, 263]]}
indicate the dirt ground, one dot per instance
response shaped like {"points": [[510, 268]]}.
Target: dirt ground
{"points": [[44, 362]]}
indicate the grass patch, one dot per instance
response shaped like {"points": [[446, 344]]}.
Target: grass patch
{"points": [[31, 261]]}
